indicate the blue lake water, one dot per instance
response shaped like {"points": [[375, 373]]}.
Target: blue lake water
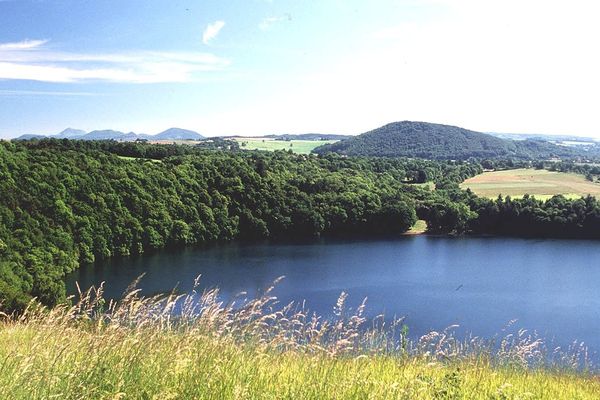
{"points": [[548, 286]]}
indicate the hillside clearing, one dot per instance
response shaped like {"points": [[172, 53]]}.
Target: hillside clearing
{"points": [[418, 228], [138, 158], [540, 183]]}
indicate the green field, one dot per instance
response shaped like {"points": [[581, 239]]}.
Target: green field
{"points": [[418, 228], [268, 144], [137, 158], [426, 185], [540, 183]]}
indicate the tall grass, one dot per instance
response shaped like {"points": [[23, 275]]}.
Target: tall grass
{"points": [[195, 346]]}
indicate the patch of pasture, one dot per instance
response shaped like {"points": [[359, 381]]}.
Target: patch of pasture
{"points": [[269, 144], [540, 183]]}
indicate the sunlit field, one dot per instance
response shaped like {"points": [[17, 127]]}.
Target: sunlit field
{"points": [[541, 183], [268, 144], [418, 228]]}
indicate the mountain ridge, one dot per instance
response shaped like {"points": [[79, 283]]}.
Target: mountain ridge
{"points": [[110, 134]]}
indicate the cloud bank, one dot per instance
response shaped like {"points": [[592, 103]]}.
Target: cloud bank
{"points": [[32, 60]]}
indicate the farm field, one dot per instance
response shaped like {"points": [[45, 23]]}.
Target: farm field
{"points": [[297, 146], [540, 183]]}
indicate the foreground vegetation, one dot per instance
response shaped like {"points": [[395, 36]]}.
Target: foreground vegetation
{"points": [[541, 183], [140, 349]]}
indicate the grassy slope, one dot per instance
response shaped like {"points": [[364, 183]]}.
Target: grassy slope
{"points": [[46, 361], [297, 146], [541, 183], [224, 353]]}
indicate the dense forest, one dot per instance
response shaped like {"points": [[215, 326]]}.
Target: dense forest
{"points": [[444, 142], [557, 217], [65, 202]]}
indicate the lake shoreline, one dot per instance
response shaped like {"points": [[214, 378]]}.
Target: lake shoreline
{"points": [[434, 280]]}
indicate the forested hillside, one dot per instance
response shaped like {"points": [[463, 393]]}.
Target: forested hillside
{"points": [[65, 202], [439, 142]]}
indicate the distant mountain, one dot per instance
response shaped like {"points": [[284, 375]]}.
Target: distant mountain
{"points": [[106, 134], [29, 136], [436, 141], [541, 136], [109, 134], [177, 134], [68, 133], [71, 133]]}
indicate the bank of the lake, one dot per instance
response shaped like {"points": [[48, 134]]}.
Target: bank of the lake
{"points": [[547, 286]]}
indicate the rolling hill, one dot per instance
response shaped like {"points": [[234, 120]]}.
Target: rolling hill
{"points": [[437, 141], [177, 134], [29, 136]]}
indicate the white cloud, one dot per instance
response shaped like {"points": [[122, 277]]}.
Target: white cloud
{"points": [[23, 45], [211, 31], [266, 23], [30, 60], [11, 93]]}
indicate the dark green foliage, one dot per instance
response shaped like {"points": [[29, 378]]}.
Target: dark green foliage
{"points": [[590, 170], [66, 202], [443, 142], [558, 217]]}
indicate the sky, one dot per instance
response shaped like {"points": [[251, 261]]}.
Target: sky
{"points": [[252, 67]]}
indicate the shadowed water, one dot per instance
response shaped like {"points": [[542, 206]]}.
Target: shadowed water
{"points": [[550, 286]]}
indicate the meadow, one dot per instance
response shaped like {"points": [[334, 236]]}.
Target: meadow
{"points": [[140, 349], [297, 146], [418, 228], [540, 183]]}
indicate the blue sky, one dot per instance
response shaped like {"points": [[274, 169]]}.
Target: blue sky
{"points": [[257, 66]]}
